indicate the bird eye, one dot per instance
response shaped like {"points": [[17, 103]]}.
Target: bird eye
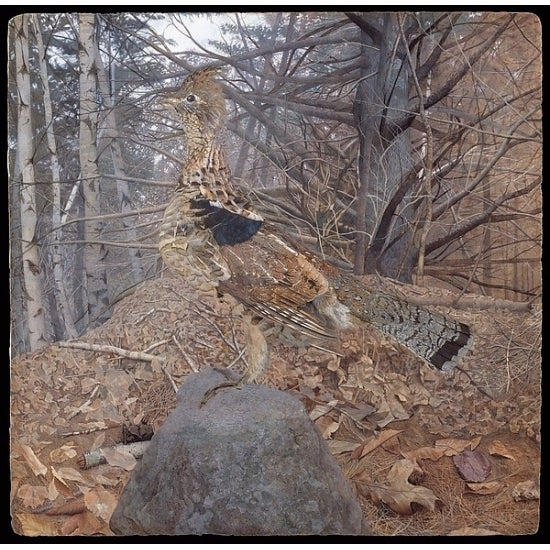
{"points": [[190, 98]]}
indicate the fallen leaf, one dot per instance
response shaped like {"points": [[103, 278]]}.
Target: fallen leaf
{"points": [[32, 495], [321, 410], [32, 460], [70, 508], [33, 525], [497, 448], [70, 525], [106, 481], [338, 446], [69, 473], [88, 524], [358, 413], [101, 503], [466, 531], [430, 453], [98, 441], [526, 490], [472, 465], [63, 453], [373, 442], [392, 446], [52, 490], [329, 429], [452, 446], [485, 488], [399, 494], [119, 458], [475, 442]]}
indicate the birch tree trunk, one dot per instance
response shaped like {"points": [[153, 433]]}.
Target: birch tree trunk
{"points": [[123, 190], [95, 252], [64, 311], [36, 322]]}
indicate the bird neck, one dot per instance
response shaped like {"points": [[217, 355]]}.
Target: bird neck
{"points": [[199, 150], [205, 164]]}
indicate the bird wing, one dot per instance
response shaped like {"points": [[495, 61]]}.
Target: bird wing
{"points": [[277, 282]]}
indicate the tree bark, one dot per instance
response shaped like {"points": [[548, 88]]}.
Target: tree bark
{"points": [[36, 321], [123, 189], [64, 313], [96, 276]]}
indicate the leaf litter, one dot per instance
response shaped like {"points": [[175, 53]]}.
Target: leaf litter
{"points": [[394, 424]]}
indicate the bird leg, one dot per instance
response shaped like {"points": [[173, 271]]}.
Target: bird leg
{"points": [[257, 351]]}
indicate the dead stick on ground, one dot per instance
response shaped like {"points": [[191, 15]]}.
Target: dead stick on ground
{"points": [[84, 405], [137, 355], [95, 458]]}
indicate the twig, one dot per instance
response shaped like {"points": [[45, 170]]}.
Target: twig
{"points": [[84, 405], [156, 345], [84, 431], [186, 356], [137, 355]]}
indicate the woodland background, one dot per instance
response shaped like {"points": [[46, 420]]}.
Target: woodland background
{"points": [[406, 145]]}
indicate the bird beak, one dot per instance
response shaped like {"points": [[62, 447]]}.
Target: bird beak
{"points": [[168, 102]]}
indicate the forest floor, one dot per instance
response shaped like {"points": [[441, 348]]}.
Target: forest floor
{"points": [[427, 453]]}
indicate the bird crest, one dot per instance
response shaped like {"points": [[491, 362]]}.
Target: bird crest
{"points": [[199, 103]]}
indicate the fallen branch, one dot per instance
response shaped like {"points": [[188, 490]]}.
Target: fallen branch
{"points": [[92, 459], [104, 348], [136, 355], [84, 405]]}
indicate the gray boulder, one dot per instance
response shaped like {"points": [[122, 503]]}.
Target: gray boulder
{"points": [[248, 462]]}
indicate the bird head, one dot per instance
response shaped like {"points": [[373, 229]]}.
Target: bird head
{"points": [[199, 103]]}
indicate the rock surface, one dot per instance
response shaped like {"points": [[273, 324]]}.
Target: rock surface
{"points": [[248, 462]]}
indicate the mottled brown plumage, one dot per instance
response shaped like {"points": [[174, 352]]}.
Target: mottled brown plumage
{"points": [[212, 236]]}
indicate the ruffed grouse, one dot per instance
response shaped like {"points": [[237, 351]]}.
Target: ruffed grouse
{"points": [[211, 235]]}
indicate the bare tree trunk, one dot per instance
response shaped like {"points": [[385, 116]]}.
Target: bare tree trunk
{"points": [[96, 276], [123, 190], [64, 311], [17, 291], [36, 322]]}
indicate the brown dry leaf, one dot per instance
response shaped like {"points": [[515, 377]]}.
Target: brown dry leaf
{"points": [[84, 523], [498, 448], [329, 429], [63, 453], [98, 441], [106, 481], [60, 483], [52, 490], [70, 525], [526, 490], [452, 446], [485, 488], [33, 495], [71, 474], [392, 446], [117, 382], [321, 410], [33, 525], [338, 446], [475, 442], [101, 503], [373, 442], [32, 460], [431, 453], [399, 494], [119, 458], [69, 508], [467, 531]]}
